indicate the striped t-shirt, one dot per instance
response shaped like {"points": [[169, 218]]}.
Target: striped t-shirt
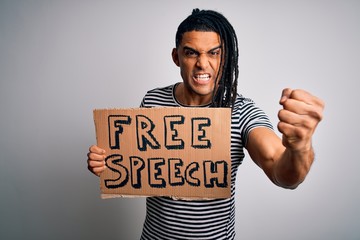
{"points": [[171, 219]]}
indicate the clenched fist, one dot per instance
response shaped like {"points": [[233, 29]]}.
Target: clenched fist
{"points": [[299, 117]]}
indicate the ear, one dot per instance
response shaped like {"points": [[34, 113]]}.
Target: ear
{"points": [[175, 57]]}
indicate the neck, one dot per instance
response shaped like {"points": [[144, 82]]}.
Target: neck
{"points": [[188, 99]]}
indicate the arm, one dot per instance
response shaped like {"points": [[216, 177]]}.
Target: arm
{"points": [[287, 161]]}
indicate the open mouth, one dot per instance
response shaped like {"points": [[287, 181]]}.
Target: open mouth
{"points": [[202, 78]]}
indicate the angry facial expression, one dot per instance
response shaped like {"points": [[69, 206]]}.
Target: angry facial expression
{"points": [[199, 57]]}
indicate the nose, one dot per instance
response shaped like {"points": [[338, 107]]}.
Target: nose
{"points": [[202, 61]]}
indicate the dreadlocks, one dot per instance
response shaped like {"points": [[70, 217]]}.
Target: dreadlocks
{"points": [[211, 21]]}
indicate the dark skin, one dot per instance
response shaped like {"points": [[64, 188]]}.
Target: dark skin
{"points": [[287, 160]]}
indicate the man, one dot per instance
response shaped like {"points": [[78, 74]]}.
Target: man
{"points": [[207, 54]]}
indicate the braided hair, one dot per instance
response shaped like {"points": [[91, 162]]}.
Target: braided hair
{"points": [[211, 21]]}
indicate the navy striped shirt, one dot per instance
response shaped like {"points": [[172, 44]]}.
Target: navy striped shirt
{"points": [[171, 219]]}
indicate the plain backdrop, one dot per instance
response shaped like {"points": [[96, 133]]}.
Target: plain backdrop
{"points": [[59, 60]]}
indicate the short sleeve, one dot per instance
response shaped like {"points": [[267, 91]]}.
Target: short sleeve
{"points": [[249, 117]]}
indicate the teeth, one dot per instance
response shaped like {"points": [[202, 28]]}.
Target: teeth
{"points": [[203, 76]]}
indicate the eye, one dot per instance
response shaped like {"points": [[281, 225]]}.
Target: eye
{"points": [[215, 53], [190, 53]]}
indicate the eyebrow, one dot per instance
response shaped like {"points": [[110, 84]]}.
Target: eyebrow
{"points": [[213, 49]]}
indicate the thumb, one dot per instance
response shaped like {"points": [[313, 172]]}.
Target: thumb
{"points": [[286, 92]]}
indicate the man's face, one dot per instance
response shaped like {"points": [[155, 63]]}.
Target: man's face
{"points": [[198, 56]]}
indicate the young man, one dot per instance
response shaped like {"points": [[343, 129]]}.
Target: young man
{"points": [[207, 54]]}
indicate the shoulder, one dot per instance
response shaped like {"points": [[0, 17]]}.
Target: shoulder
{"points": [[161, 90], [161, 96], [167, 89], [248, 114], [243, 102]]}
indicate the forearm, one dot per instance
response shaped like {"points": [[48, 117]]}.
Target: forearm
{"points": [[292, 167]]}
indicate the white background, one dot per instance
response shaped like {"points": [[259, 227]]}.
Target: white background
{"points": [[61, 59]]}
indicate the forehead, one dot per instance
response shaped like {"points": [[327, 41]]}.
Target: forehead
{"points": [[200, 40]]}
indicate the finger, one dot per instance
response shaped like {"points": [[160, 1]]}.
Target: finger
{"points": [[286, 92], [95, 157], [95, 163], [306, 97], [305, 122], [297, 106], [96, 149], [292, 130], [97, 170], [303, 108], [292, 118]]}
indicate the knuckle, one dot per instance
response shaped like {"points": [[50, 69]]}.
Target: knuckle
{"points": [[281, 126], [90, 156], [91, 163], [288, 104], [281, 114], [316, 114]]}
